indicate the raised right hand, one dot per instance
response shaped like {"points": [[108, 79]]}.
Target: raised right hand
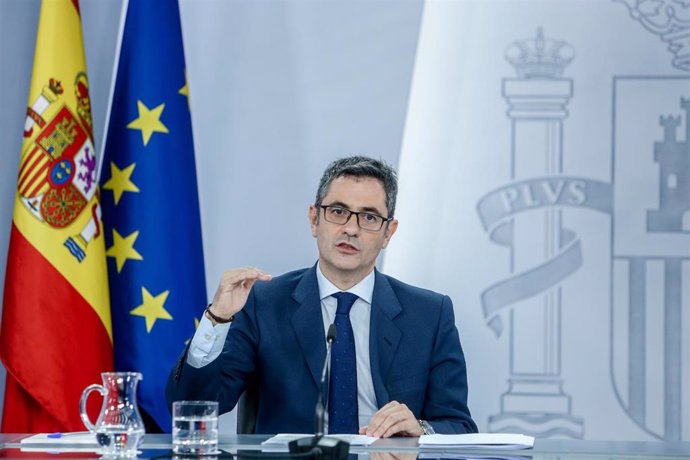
{"points": [[234, 288]]}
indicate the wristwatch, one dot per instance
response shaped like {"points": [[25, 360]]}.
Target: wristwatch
{"points": [[426, 427]]}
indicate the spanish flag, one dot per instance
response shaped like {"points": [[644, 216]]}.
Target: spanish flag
{"points": [[56, 332]]}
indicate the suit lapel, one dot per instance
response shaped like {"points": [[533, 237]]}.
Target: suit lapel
{"points": [[307, 323], [384, 335]]}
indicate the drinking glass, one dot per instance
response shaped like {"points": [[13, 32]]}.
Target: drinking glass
{"points": [[195, 427]]}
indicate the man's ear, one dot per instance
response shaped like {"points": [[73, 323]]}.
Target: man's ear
{"points": [[390, 231], [313, 219]]}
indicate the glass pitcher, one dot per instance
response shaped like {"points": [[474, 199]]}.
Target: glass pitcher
{"points": [[119, 429]]}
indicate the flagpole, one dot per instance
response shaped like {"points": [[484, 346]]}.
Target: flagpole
{"points": [[120, 34]]}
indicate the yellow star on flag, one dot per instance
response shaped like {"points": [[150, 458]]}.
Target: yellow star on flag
{"points": [[148, 121], [120, 181], [185, 89], [123, 249], [152, 308]]}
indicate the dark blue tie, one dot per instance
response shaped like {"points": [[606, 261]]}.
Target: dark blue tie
{"points": [[342, 394]]}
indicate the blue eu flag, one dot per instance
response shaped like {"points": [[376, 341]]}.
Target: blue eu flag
{"points": [[150, 204]]}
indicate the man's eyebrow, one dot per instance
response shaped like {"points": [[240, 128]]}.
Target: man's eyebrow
{"points": [[339, 204]]}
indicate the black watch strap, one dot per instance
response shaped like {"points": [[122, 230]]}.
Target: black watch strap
{"points": [[217, 318]]}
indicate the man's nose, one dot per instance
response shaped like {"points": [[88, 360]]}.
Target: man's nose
{"points": [[351, 227]]}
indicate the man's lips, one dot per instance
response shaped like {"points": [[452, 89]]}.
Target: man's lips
{"points": [[347, 248]]}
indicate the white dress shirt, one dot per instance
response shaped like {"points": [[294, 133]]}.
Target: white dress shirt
{"points": [[360, 316], [208, 340]]}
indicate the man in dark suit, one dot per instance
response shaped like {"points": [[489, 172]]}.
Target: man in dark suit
{"points": [[397, 366]]}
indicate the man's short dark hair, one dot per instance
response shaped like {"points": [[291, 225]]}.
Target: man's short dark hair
{"points": [[360, 166]]}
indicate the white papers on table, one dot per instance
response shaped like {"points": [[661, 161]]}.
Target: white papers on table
{"points": [[81, 441], [477, 441], [353, 439], [81, 438]]}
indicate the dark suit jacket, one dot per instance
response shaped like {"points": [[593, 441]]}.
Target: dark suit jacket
{"points": [[278, 341]]}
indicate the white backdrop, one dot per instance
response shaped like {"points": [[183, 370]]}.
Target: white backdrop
{"points": [[549, 188], [525, 199]]}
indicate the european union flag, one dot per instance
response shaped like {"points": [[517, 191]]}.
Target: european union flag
{"points": [[150, 204]]}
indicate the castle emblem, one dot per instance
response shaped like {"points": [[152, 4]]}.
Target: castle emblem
{"points": [[673, 158]]}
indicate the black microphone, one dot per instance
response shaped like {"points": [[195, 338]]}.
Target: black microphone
{"points": [[321, 400], [321, 446]]}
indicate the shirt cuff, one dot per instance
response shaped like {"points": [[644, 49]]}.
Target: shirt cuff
{"points": [[207, 343]]}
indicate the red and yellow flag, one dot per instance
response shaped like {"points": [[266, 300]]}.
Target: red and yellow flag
{"points": [[56, 332]]}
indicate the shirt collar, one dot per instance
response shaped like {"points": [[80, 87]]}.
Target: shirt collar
{"points": [[364, 289]]}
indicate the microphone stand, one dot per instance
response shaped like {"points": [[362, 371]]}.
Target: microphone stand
{"points": [[320, 446]]}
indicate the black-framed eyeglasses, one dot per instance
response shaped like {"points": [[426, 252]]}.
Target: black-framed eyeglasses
{"points": [[366, 220]]}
